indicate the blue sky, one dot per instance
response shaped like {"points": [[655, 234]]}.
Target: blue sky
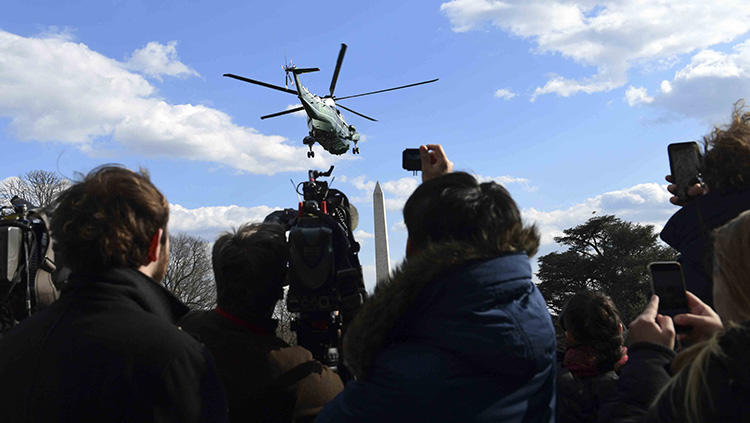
{"points": [[569, 104]]}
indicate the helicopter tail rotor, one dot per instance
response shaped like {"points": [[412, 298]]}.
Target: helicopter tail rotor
{"points": [[287, 78]]}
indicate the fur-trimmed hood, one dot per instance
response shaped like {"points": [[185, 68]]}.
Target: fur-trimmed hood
{"points": [[460, 299]]}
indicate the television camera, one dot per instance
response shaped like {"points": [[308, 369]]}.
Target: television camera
{"points": [[326, 286], [28, 277]]}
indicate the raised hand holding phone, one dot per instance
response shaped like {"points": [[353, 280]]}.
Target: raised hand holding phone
{"points": [[668, 283], [434, 161], [685, 163], [650, 326], [702, 319]]}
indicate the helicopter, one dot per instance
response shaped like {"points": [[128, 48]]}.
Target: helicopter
{"points": [[326, 125]]}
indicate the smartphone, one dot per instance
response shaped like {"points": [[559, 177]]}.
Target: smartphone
{"points": [[668, 282], [685, 165], [411, 159]]}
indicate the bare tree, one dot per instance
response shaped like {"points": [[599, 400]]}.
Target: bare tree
{"points": [[39, 187], [189, 273]]}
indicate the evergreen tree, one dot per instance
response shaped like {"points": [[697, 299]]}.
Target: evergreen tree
{"points": [[605, 254]]}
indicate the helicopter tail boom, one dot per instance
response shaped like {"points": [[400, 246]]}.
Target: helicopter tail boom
{"points": [[298, 71]]}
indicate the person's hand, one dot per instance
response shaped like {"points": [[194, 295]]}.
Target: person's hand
{"points": [[652, 327], [434, 161], [702, 320], [693, 191]]}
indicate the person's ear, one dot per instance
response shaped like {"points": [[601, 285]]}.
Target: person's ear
{"points": [[409, 248], [620, 328], [155, 246]]}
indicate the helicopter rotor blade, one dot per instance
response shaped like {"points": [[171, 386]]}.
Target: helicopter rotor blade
{"points": [[338, 68], [356, 113], [388, 89], [296, 109], [264, 84]]}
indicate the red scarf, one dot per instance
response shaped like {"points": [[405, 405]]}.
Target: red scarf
{"points": [[247, 325], [583, 361]]}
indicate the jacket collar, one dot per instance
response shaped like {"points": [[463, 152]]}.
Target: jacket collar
{"points": [[697, 218], [385, 310], [130, 284]]}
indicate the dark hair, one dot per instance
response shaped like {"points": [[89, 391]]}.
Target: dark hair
{"points": [[249, 267], [727, 159], [108, 220], [455, 207], [592, 319]]}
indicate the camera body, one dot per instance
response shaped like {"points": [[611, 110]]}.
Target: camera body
{"points": [[324, 270], [28, 275]]}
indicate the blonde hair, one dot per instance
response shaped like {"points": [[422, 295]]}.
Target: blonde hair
{"points": [[732, 265], [696, 398]]}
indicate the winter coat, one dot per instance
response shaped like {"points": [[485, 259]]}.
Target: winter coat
{"points": [[689, 232], [108, 351], [641, 379], [727, 379], [265, 379], [579, 399], [456, 334]]}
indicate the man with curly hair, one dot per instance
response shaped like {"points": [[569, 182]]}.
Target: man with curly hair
{"points": [[724, 194], [109, 350]]}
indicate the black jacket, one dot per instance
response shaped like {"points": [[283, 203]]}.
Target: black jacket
{"points": [[579, 399], [108, 351], [689, 232], [723, 393], [266, 380], [641, 379]]}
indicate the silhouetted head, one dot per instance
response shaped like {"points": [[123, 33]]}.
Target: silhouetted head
{"points": [[591, 318], [108, 220], [455, 207], [249, 267], [727, 157]]}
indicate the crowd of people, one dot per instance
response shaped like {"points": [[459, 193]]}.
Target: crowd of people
{"points": [[458, 332]]}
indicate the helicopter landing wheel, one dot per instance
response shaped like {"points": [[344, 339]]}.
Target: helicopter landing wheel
{"points": [[355, 150], [310, 154]]}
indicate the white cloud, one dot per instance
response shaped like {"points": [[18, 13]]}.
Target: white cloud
{"points": [[666, 87], [300, 113], [360, 234], [368, 273], [707, 87], [565, 87], [157, 59], [644, 203], [400, 226], [57, 90], [396, 192], [65, 33], [208, 222], [508, 180], [505, 94], [635, 96], [610, 35]]}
